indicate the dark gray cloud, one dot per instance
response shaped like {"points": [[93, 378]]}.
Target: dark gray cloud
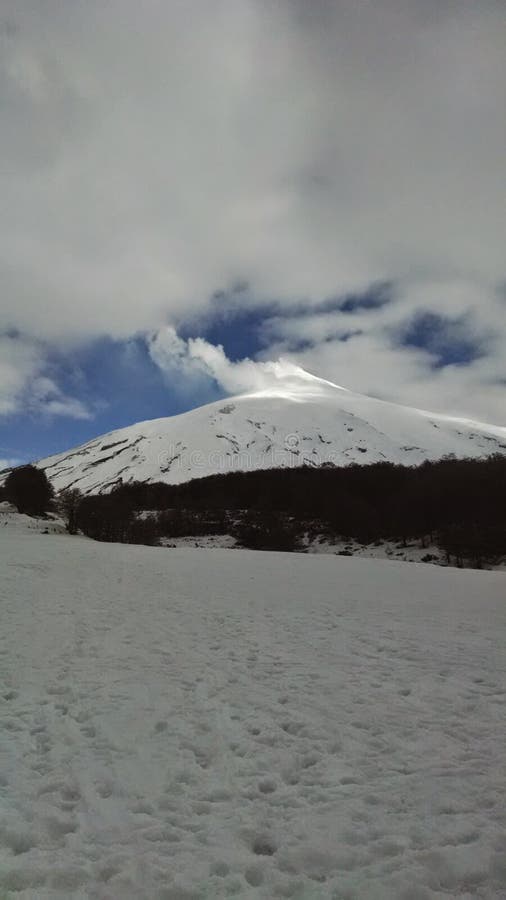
{"points": [[155, 153]]}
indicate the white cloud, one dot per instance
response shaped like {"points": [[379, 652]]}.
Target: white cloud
{"points": [[373, 359], [45, 396], [24, 383], [197, 358], [153, 153], [368, 363], [244, 375], [18, 363]]}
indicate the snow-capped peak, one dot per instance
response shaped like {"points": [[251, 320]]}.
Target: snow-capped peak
{"points": [[293, 418], [290, 382]]}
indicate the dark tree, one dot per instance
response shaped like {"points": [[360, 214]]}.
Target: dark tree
{"points": [[268, 531], [461, 504], [28, 489], [68, 503]]}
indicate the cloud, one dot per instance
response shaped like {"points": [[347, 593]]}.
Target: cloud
{"points": [[457, 364], [25, 384], [243, 376], [153, 154], [46, 397], [18, 363], [198, 358], [370, 363]]}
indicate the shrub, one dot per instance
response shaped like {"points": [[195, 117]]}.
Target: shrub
{"points": [[268, 532], [28, 489]]}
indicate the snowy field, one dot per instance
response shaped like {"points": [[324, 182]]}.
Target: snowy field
{"points": [[183, 724], [413, 552]]}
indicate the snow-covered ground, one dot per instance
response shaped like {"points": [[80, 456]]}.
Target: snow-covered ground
{"points": [[412, 552], [21, 524], [204, 724]]}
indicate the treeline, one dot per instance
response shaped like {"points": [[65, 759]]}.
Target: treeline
{"points": [[458, 504]]}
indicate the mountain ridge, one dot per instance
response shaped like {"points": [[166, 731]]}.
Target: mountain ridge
{"points": [[296, 419]]}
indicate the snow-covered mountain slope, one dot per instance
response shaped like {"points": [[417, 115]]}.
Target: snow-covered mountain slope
{"points": [[299, 420]]}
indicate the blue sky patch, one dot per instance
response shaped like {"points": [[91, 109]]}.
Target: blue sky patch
{"points": [[238, 329], [243, 331], [448, 340]]}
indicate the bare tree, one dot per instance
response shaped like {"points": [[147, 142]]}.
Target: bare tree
{"points": [[68, 503]]}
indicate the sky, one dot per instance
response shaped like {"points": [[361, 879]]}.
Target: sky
{"points": [[192, 188]]}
